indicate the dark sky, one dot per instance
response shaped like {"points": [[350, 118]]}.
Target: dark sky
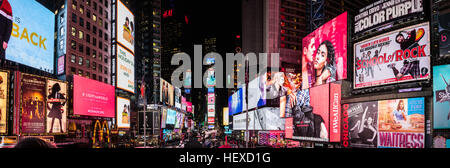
{"points": [[217, 18]]}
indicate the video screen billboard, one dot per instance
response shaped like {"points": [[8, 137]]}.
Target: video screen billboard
{"points": [[33, 104], [441, 98], [177, 98], [57, 108], [189, 107], [29, 29], [3, 101], [211, 78], [398, 56], [444, 31], [123, 112], [398, 123], [183, 104], [235, 103], [163, 117], [93, 98], [125, 26], [164, 92], [264, 119], [211, 98], [171, 96], [324, 56], [125, 70], [225, 116], [211, 110], [188, 79], [179, 120], [171, 116], [257, 92]]}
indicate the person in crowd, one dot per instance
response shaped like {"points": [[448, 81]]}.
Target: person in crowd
{"points": [[33, 142]]}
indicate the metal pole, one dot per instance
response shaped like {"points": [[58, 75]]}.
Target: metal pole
{"points": [[246, 107]]}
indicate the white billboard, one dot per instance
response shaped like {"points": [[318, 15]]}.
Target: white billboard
{"points": [[125, 26], [399, 56], [264, 119], [123, 112], [125, 70]]}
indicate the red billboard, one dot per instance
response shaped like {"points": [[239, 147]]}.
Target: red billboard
{"points": [[324, 58], [93, 98]]}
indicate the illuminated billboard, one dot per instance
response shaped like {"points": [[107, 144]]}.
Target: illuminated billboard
{"points": [[211, 98], [441, 99], [31, 41], [93, 98], [33, 91], [177, 98], [226, 117], [444, 31], [125, 26], [163, 117], [123, 112], [398, 123], [171, 116], [324, 56], [125, 70], [57, 107], [3, 101], [263, 119], [399, 56]]}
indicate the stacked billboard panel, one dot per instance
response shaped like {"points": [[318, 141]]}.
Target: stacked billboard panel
{"points": [[3, 101], [125, 28]]}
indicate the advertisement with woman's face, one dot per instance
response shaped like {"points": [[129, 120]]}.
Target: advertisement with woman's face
{"points": [[324, 56]]}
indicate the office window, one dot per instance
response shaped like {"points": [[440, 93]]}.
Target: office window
{"points": [[74, 31], [80, 48], [81, 22], [81, 9], [88, 38], [88, 13], [100, 33], [88, 51], [106, 59], [94, 77], [100, 68], [88, 63], [94, 17], [94, 30], [74, 5], [73, 44], [100, 79], [73, 70], [106, 48], [106, 80], [94, 53], [106, 2], [106, 25], [94, 41], [88, 75], [80, 34], [106, 14], [73, 58], [80, 60], [100, 45], [94, 66], [74, 18], [88, 2], [106, 37], [100, 57], [80, 72], [106, 71], [100, 11], [100, 22], [88, 25], [95, 6]]}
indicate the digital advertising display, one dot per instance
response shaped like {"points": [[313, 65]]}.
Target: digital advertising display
{"points": [[188, 79], [211, 78], [441, 97], [211, 110], [171, 96], [171, 116], [163, 117], [257, 92], [31, 41], [397, 123], [444, 31], [123, 115], [177, 98], [384, 11], [164, 91], [34, 93], [211, 98], [225, 115], [93, 98], [57, 108], [263, 119], [125, 26], [125, 70], [3, 101], [324, 57], [183, 104], [395, 57], [61, 65], [235, 103], [189, 107]]}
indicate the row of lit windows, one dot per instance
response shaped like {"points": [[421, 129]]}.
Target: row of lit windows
{"points": [[82, 36], [80, 72], [87, 63], [88, 25], [94, 6]]}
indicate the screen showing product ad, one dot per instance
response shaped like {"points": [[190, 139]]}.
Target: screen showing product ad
{"points": [[28, 31], [123, 112], [171, 116], [441, 97], [56, 107], [3, 101], [125, 26], [324, 56], [93, 98], [398, 123], [395, 57]]}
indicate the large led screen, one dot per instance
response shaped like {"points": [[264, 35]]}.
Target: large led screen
{"points": [[263, 119], [444, 31], [171, 116], [177, 98], [93, 98], [324, 56], [125, 70], [125, 26], [56, 107], [123, 112], [398, 56], [441, 98], [397, 123], [31, 34]]}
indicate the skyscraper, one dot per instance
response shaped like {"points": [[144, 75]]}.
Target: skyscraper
{"points": [[83, 39]]}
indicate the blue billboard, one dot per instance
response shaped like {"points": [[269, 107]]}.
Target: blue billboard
{"points": [[32, 36], [441, 98], [171, 116]]}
